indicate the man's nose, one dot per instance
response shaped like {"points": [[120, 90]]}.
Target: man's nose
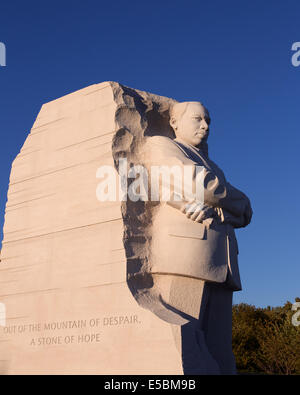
{"points": [[204, 125]]}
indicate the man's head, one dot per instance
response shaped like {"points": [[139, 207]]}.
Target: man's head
{"points": [[190, 122]]}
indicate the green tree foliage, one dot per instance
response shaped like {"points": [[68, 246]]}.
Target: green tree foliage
{"points": [[265, 340]]}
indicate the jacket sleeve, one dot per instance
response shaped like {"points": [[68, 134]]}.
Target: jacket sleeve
{"points": [[224, 195]]}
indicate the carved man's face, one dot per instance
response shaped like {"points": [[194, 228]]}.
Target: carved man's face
{"points": [[193, 125]]}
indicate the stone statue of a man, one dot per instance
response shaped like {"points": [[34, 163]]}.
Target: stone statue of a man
{"points": [[193, 256]]}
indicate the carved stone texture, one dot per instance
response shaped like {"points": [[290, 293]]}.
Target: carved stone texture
{"points": [[63, 264]]}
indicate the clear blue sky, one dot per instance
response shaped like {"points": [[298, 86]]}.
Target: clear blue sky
{"points": [[235, 56]]}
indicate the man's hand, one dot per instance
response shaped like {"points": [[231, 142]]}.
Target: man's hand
{"points": [[198, 212]]}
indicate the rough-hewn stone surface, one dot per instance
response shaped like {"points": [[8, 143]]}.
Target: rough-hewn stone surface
{"points": [[63, 263]]}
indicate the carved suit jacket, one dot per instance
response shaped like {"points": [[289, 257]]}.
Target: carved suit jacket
{"points": [[180, 246]]}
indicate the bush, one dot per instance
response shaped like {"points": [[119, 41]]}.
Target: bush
{"points": [[264, 340]]}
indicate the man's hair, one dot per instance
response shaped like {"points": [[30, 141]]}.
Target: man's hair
{"points": [[178, 109]]}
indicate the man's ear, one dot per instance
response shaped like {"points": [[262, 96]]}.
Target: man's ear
{"points": [[173, 123]]}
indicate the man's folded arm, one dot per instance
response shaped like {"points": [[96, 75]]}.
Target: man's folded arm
{"points": [[217, 193]]}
